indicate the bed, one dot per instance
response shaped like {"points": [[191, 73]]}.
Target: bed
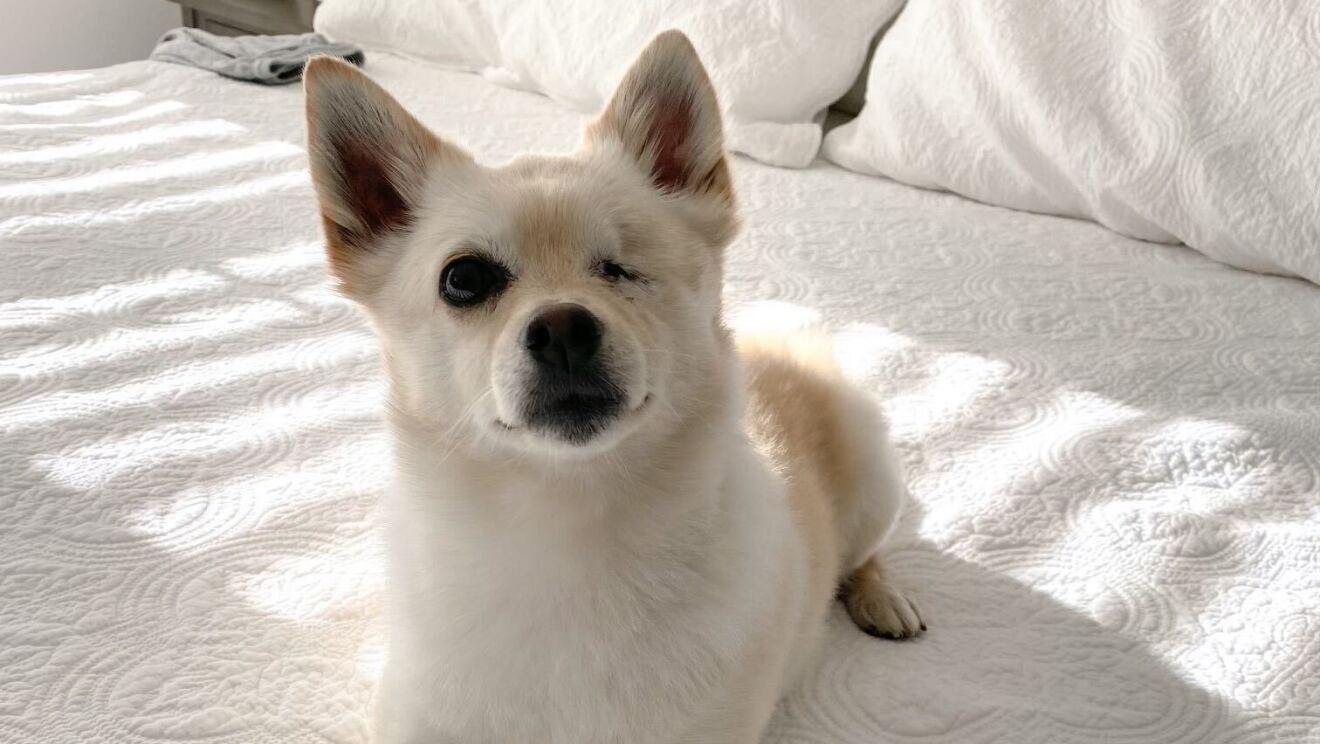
{"points": [[1114, 446]]}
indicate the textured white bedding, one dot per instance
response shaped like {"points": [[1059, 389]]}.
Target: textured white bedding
{"points": [[1113, 445]]}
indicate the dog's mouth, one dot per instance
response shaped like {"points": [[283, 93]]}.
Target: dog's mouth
{"points": [[574, 418]]}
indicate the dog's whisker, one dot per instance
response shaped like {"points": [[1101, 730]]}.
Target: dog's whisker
{"points": [[468, 413]]}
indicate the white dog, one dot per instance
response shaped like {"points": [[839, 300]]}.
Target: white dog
{"points": [[612, 521]]}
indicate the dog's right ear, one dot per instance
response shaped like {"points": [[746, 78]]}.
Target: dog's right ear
{"points": [[665, 115], [369, 160]]}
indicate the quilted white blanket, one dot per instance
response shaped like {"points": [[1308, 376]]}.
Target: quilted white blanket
{"points": [[1113, 445]]}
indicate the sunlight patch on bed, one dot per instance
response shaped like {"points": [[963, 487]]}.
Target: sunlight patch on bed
{"points": [[246, 190], [44, 79], [73, 105], [1206, 468], [998, 457], [284, 263], [956, 382], [371, 656], [146, 112], [268, 502], [220, 440], [175, 383], [192, 165], [34, 312], [764, 316], [123, 141], [951, 382], [314, 584], [859, 347], [214, 325]]}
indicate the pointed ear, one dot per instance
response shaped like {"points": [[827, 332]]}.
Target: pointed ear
{"points": [[665, 114], [369, 160]]}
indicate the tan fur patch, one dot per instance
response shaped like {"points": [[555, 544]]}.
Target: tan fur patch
{"points": [[796, 410], [793, 412]]}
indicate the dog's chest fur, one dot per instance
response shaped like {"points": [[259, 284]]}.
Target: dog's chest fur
{"points": [[526, 619]]}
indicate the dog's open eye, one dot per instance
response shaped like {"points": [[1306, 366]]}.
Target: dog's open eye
{"points": [[614, 272], [469, 280]]}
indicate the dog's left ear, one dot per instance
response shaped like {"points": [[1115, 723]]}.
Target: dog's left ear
{"points": [[370, 160], [666, 115]]}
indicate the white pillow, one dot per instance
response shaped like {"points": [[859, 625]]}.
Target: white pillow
{"points": [[1168, 120], [777, 64]]}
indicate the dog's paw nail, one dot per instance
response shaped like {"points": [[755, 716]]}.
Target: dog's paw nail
{"points": [[876, 632]]}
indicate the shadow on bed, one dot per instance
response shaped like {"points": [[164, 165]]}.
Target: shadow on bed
{"points": [[1006, 658]]}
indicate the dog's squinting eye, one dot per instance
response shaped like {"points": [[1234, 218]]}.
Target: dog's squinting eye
{"points": [[614, 272], [469, 280]]}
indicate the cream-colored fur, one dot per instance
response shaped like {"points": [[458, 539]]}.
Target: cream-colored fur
{"points": [[664, 580]]}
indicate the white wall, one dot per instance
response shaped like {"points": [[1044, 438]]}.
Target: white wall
{"points": [[46, 35]]}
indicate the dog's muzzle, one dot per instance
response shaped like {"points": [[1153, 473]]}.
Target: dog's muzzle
{"points": [[571, 394]]}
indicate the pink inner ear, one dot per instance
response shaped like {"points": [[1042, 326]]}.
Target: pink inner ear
{"points": [[370, 192], [671, 125]]}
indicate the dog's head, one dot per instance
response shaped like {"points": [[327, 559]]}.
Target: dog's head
{"points": [[554, 304]]}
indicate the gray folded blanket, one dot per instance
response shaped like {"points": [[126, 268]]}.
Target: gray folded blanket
{"points": [[272, 60]]}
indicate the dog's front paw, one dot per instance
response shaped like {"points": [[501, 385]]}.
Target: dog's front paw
{"points": [[877, 606]]}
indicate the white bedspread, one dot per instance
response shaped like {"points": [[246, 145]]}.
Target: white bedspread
{"points": [[1114, 446]]}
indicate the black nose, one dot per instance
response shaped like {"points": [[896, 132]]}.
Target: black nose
{"points": [[563, 337]]}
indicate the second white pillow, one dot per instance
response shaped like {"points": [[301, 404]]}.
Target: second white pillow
{"points": [[777, 64], [1168, 120]]}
